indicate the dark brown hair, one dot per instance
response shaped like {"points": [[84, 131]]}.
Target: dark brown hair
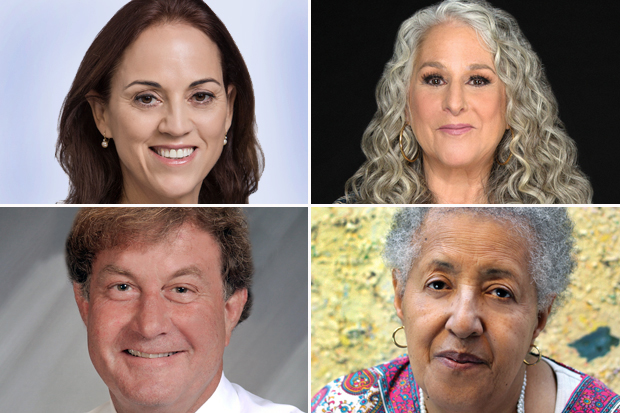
{"points": [[98, 229], [94, 173]]}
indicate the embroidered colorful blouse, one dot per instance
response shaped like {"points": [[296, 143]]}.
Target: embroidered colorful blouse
{"points": [[391, 388]]}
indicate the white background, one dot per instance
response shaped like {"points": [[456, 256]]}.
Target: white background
{"points": [[42, 43]]}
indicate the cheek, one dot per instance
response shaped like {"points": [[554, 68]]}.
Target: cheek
{"points": [[492, 108], [423, 321], [202, 328], [423, 108]]}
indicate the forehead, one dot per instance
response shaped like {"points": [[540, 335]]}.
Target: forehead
{"points": [[185, 247], [454, 43], [473, 239], [165, 52]]}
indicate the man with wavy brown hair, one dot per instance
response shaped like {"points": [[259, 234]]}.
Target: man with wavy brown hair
{"points": [[160, 291]]}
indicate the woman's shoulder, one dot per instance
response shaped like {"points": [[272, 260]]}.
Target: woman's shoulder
{"points": [[367, 390], [578, 392], [346, 199]]}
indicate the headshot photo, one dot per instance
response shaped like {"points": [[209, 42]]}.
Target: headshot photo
{"points": [[463, 102], [477, 309], [114, 310], [156, 102]]}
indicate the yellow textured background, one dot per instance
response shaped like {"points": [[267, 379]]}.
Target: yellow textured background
{"points": [[352, 297]]}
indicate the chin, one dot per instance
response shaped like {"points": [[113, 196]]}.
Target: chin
{"points": [[177, 188], [460, 160], [150, 394]]}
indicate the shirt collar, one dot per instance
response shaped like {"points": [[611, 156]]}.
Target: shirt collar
{"points": [[224, 399]]}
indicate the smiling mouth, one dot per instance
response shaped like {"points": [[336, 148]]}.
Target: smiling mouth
{"points": [[174, 153], [137, 353]]}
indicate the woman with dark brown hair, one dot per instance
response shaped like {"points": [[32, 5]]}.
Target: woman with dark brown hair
{"points": [[161, 111]]}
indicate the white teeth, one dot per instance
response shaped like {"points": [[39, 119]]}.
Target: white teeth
{"points": [[137, 353], [175, 153]]}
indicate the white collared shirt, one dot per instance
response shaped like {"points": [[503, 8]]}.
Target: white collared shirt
{"points": [[227, 398]]}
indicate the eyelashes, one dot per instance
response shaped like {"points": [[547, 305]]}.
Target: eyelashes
{"points": [[149, 100], [435, 79]]}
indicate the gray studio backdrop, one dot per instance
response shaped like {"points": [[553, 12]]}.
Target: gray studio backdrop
{"points": [[44, 362]]}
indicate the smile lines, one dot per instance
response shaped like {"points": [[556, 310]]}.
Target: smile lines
{"points": [[174, 153], [137, 353]]}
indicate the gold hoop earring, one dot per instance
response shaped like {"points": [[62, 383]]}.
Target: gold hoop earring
{"points": [[394, 337], [104, 143], [509, 156], [533, 354], [400, 141]]}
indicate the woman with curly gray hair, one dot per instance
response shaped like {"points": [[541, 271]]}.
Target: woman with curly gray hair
{"points": [[474, 288], [466, 115]]}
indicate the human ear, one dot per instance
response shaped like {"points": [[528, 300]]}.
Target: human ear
{"points": [[543, 316], [100, 112], [233, 309], [398, 296], [82, 302], [231, 94]]}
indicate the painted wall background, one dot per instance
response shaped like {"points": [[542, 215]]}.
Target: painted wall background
{"points": [[44, 361], [353, 316], [43, 42]]}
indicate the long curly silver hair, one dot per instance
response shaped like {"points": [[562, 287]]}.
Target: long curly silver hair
{"points": [[543, 168], [547, 230]]}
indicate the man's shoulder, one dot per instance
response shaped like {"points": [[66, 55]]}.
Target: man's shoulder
{"points": [[252, 403], [104, 408]]}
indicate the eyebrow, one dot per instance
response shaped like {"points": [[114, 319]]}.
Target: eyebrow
{"points": [[491, 273], [444, 265], [191, 270], [157, 85], [475, 66]]}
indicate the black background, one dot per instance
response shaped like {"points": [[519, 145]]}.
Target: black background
{"points": [[578, 43]]}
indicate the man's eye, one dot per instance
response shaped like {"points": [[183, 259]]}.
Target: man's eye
{"points": [[180, 290], [122, 287]]}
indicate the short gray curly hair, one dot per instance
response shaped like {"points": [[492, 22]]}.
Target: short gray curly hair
{"points": [[548, 230]]}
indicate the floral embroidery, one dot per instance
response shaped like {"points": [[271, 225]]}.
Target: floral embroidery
{"points": [[391, 388]]}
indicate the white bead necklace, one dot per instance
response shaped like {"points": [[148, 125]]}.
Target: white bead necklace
{"points": [[520, 405]]}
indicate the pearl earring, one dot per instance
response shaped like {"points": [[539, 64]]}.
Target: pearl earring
{"points": [[225, 139], [104, 143]]}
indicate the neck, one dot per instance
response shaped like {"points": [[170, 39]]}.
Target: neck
{"points": [[457, 185], [507, 403]]}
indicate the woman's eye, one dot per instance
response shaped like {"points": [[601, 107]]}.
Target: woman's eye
{"points": [[147, 100], [437, 285], [202, 97], [501, 293], [434, 80], [478, 81]]}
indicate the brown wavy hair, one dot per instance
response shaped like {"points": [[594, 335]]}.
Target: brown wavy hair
{"points": [[95, 174], [98, 229]]}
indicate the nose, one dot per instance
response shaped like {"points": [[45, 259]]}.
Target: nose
{"points": [[152, 316], [176, 121], [464, 316], [454, 100]]}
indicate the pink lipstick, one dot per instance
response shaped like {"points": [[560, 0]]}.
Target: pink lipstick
{"points": [[456, 128]]}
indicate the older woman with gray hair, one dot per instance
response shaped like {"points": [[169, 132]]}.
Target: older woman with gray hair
{"points": [[465, 115], [474, 287]]}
